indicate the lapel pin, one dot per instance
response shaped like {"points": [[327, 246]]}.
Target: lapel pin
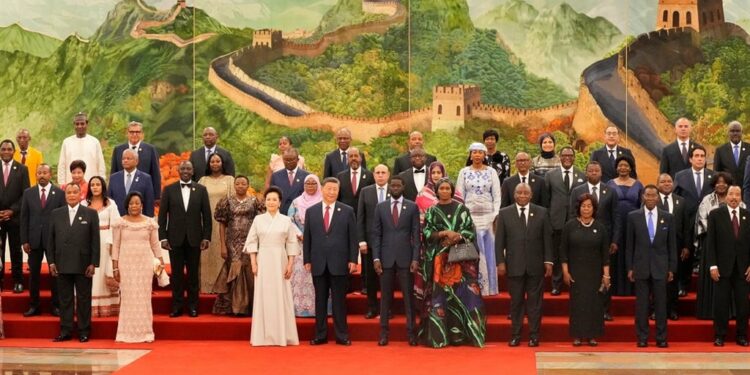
{"points": [[80, 218], [604, 191], [298, 180], [594, 230], [140, 149], [661, 221], [708, 177], [193, 189], [533, 180], [403, 207], [14, 167], [531, 214], [743, 218], [136, 179], [364, 176], [338, 209], [53, 192]]}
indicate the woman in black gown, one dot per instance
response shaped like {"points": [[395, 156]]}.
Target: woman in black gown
{"points": [[584, 253]]}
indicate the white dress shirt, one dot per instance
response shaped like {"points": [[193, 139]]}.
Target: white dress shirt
{"points": [[419, 178], [330, 212], [72, 212], [185, 190]]}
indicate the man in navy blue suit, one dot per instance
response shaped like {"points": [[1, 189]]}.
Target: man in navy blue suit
{"points": [[131, 179], [148, 157], [330, 252], [395, 244], [337, 160], [291, 179]]}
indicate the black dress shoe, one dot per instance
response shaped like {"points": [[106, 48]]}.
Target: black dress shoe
{"points": [[56, 311], [371, 315], [383, 341], [18, 288], [652, 316], [83, 338], [412, 341], [318, 341], [742, 341], [62, 337], [593, 342], [32, 312], [673, 316], [718, 341], [577, 342], [662, 344], [533, 343], [193, 313], [642, 344], [555, 292], [515, 341], [682, 293], [608, 317], [175, 313], [346, 342]]}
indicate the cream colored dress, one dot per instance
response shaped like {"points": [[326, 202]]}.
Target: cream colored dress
{"points": [[274, 239], [105, 302], [211, 260]]}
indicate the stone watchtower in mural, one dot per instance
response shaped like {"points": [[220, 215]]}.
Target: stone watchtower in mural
{"points": [[267, 38], [698, 14], [451, 105]]}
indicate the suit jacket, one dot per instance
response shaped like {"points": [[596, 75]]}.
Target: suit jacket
{"points": [[607, 211], [148, 162], [346, 194], [74, 247], [556, 196], [684, 186], [34, 218], [332, 164], [332, 250], [403, 163], [681, 223], [10, 195], [33, 159], [198, 158], [410, 189], [141, 183], [396, 245], [722, 248], [176, 224], [609, 171], [368, 201], [524, 249], [280, 179], [647, 259], [509, 186], [671, 158]]}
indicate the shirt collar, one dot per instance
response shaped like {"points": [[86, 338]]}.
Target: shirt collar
{"points": [[735, 144], [569, 170], [518, 207], [654, 211], [698, 171], [611, 149], [358, 170], [730, 210], [400, 200], [74, 208], [137, 146], [687, 142], [294, 171], [597, 185]]}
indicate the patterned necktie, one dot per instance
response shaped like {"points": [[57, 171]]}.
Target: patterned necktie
{"points": [[735, 224], [736, 153], [593, 192], [394, 213], [651, 228], [612, 157], [43, 199], [327, 219], [354, 182]]}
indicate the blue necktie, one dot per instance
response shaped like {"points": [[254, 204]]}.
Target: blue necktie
{"points": [[736, 153], [381, 196], [651, 229]]}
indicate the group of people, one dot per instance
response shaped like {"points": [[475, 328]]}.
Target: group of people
{"points": [[447, 241]]}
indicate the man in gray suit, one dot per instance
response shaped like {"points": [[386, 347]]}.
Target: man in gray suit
{"points": [[73, 255], [523, 249], [395, 243], [558, 184]]}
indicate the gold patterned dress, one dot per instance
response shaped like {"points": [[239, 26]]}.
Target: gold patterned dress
{"points": [[211, 261]]}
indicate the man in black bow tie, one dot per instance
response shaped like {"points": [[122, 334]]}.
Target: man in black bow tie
{"points": [[416, 176]]}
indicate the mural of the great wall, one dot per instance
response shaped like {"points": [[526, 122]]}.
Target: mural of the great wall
{"points": [[258, 69]]}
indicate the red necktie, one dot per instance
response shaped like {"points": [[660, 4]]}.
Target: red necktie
{"points": [[43, 199], [327, 219], [354, 182], [23, 157], [735, 224], [395, 213]]}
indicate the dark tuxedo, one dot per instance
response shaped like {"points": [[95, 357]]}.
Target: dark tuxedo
{"points": [[682, 229], [346, 193], [368, 201], [509, 186], [333, 164], [731, 255], [141, 182], [410, 188], [198, 158], [524, 248], [148, 162], [184, 230], [650, 263], [684, 186], [403, 163], [35, 232], [396, 245], [329, 253], [672, 161], [10, 199], [556, 198], [289, 192], [724, 161], [73, 248], [609, 170]]}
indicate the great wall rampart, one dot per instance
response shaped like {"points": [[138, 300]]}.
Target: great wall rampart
{"points": [[140, 27]]}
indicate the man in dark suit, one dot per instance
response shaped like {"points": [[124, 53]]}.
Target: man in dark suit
{"points": [[651, 260], [148, 157], [607, 214], [369, 197], [693, 184], [523, 165], [415, 176], [15, 179], [728, 258], [523, 249], [199, 157], [607, 154], [674, 157], [675, 205], [291, 179], [558, 184], [405, 162], [330, 252], [185, 230], [353, 179], [732, 156], [36, 207], [337, 160], [396, 243], [131, 179], [73, 255]]}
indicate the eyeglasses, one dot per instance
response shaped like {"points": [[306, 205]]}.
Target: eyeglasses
{"points": [[134, 131]]}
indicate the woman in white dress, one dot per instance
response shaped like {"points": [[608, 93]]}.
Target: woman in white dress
{"points": [[273, 242], [105, 299]]}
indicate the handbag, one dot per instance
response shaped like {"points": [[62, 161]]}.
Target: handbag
{"points": [[462, 252], [162, 279]]}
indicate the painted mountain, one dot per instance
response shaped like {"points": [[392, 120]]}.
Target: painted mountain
{"points": [[557, 43], [16, 38]]}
